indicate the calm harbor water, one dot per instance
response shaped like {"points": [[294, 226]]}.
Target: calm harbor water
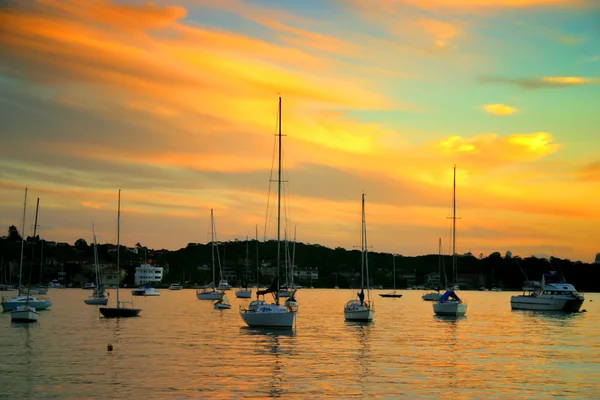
{"points": [[181, 348]]}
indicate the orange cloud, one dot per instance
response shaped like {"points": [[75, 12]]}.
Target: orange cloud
{"points": [[499, 109]]}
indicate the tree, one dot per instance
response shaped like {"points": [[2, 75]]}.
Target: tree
{"points": [[13, 234], [81, 244]]}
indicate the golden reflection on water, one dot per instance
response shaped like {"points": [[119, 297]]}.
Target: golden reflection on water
{"points": [[180, 347]]}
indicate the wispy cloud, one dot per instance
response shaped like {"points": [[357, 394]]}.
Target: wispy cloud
{"points": [[552, 82]]}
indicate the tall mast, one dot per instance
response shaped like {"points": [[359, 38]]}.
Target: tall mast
{"points": [[257, 270], [440, 260], [278, 201], [366, 251], [118, 246], [22, 238], [32, 248], [212, 245], [362, 244], [247, 255], [454, 227]]}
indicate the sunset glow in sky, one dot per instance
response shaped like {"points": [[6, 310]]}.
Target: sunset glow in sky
{"points": [[177, 105]]}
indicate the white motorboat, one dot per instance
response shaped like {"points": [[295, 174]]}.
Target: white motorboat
{"points": [[145, 291], [24, 313], [361, 309], [176, 286], [272, 315], [89, 286], [208, 294], [553, 294]]}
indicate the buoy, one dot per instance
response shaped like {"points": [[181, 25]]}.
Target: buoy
{"points": [[109, 347]]}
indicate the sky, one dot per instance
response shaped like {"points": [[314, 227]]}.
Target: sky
{"points": [[175, 102]]}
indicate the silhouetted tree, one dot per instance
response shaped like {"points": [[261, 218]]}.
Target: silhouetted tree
{"points": [[13, 234], [81, 244]]}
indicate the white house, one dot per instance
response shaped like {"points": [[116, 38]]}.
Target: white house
{"points": [[148, 274]]}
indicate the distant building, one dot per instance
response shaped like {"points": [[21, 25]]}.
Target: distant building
{"points": [[432, 280], [597, 260], [306, 274], [147, 274]]}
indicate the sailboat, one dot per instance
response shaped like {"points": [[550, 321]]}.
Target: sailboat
{"points": [[361, 310], [393, 294], [212, 294], [245, 293], [120, 311], [99, 295], [25, 296], [273, 315], [25, 312], [435, 295], [449, 303]]}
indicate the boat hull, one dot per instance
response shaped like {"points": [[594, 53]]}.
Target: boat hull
{"points": [[431, 296], [286, 293], [37, 304], [222, 306], [119, 312], [451, 308], [546, 303], [24, 314], [243, 294], [208, 295], [362, 315], [96, 302], [391, 295], [177, 287], [269, 316]]}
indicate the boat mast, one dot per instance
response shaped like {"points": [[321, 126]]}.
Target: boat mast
{"points": [[454, 275], [32, 249], [257, 269], [278, 202], [362, 244], [96, 259], [22, 238], [293, 258], [118, 246], [247, 255], [366, 251], [212, 245]]}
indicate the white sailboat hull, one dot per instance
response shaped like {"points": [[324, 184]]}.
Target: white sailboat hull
{"points": [[222, 306], [431, 296], [243, 294], [359, 313], [286, 293], [208, 295], [451, 308], [38, 304], [24, 314], [546, 303], [96, 301], [269, 316]]}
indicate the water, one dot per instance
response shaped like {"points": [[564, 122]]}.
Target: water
{"points": [[180, 348]]}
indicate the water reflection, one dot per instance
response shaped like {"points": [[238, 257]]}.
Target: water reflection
{"points": [[268, 346], [362, 331]]}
